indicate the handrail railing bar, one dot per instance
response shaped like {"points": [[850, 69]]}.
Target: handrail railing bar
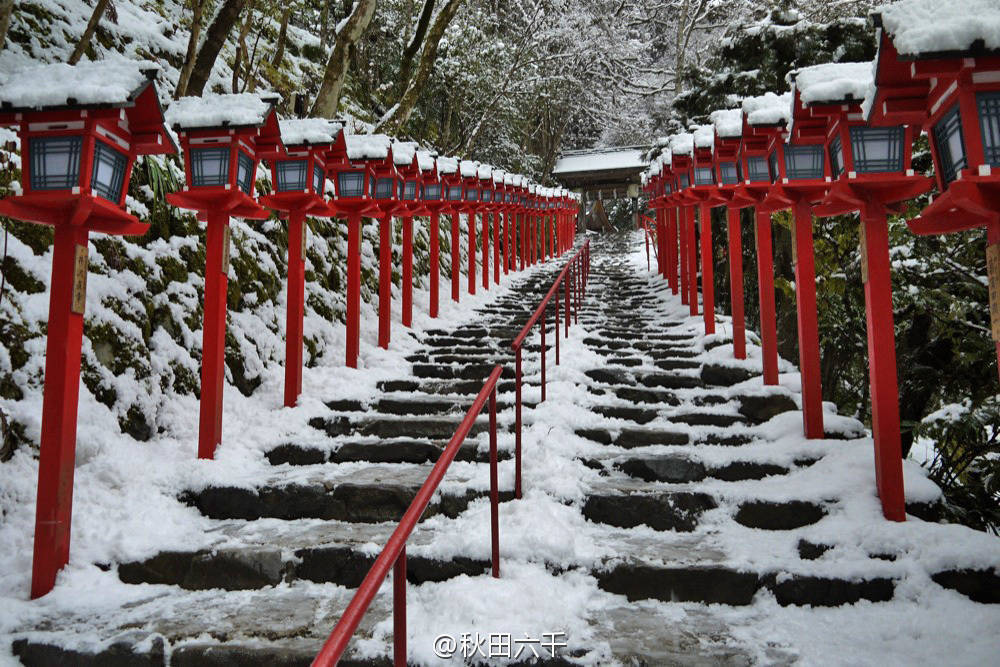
{"points": [[341, 635]]}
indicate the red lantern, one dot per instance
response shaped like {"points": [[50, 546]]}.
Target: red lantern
{"points": [[499, 221], [469, 171], [223, 137], [404, 155], [485, 176], [763, 118], [298, 174], [81, 128], [728, 129], [944, 80], [432, 199], [800, 172], [682, 157], [451, 187]]}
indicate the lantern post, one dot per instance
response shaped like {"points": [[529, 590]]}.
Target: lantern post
{"points": [[728, 128], [682, 153], [470, 206], [522, 208], [404, 156], [705, 191], [78, 145], [485, 175], [762, 117], [801, 177], [354, 185], [950, 90], [298, 172], [499, 238], [871, 170], [451, 186], [431, 199], [222, 137], [509, 230]]}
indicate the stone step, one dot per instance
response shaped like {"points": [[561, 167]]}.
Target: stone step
{"points": [[721, 585], [677, 511], [630, 438], [253, 568], [395, 427], [350, 502], [389, 451]]}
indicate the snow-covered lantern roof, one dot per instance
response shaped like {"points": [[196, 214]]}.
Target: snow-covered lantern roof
{"points": [[827, 110], [682, 154], [430, 179], [81, 129], [764, 119], [224, 137], [404, 157], [451, 180], [728, 125], [386, 183], [299, 165], [352, 166], [936, 69], [703, 137]]}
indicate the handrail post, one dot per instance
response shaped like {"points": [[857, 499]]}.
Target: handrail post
{"points": [[543, 351], [494, 487], [517, 418], [399, 610], [568, 280], [556, 309]]}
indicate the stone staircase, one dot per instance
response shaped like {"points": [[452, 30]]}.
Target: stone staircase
{"points": [[691, 494]]}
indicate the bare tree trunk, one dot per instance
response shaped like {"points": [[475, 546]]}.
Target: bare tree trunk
{"points": [[679, 56], [279, 49], [411, 50], [242, 52], [197, 9], [324, 19], [400, 113], [215, 38], [6, 10], [328, 98], [88, 32]]}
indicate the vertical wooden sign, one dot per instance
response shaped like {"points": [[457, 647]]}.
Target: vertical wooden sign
{"points": [[993, 272], [305, 235], [795, 246], [863, 249], [80, 264], [226, 241]]}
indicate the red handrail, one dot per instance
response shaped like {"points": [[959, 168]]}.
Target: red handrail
{"points": [[394, 552], [574, 277]]}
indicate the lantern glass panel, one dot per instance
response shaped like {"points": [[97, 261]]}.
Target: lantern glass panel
{"points": [[729, 173], [209, 166], [108, 175], [757, 169], [683, 180], [410, 190], [989, 123], [804, 161], [471, 194], [667, 189], [244, 173], [704, 176], [385, 188], [351, 184], [291, 175], [55, 162], [454, 192], [877, 149], [772, 166], [319, 179], [950, 145], [431, 192], [837, 156], [487, 195]]}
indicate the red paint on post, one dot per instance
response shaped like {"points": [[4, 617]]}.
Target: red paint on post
{"points": [[435, 261], [672, 249], [399, 610], [882, 365], [214, 334], [353, 289], [692, 249], [683, 233], [736, 283], [496, 248], [707, 270], [407, 314], [486, 250], [765, 287], [57, 454], [472, 253], [296, 307], [455, 257], [384, 281], [808, 327]]}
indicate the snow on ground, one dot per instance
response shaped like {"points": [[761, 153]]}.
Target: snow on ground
{"points": [[125, 509]]}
